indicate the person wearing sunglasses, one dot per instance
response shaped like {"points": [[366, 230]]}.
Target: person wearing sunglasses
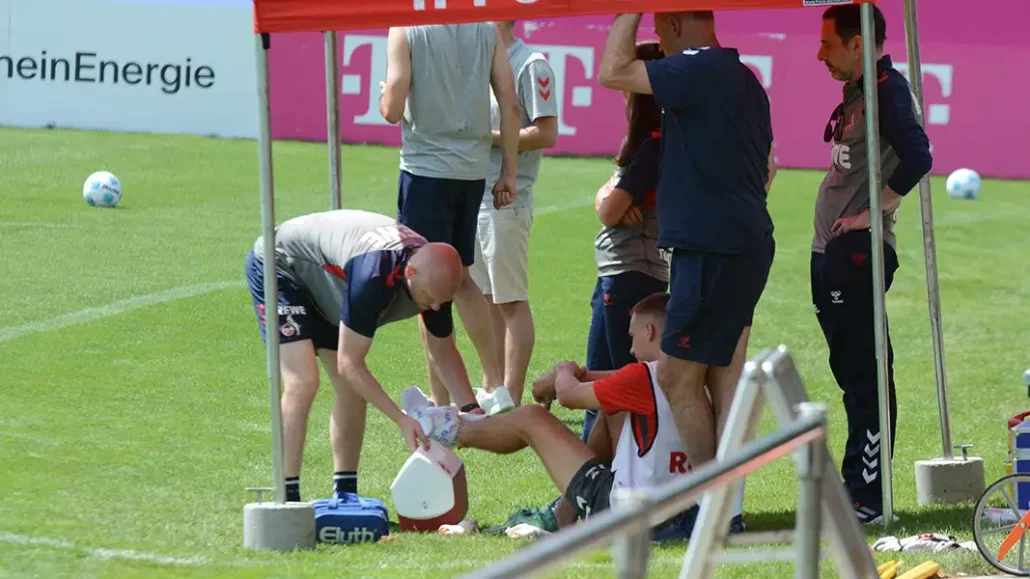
{"points": [[841, 264]]}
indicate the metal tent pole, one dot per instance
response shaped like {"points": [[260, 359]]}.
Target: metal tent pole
{"points": [[876, 224], [263, 41], [332, 106], [933, 290]]}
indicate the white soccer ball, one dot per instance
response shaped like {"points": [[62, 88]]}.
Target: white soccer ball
{"points": [[102, 189], [963, 184]]}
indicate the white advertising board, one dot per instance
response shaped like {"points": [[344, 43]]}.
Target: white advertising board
{"points": [[137, 66]]}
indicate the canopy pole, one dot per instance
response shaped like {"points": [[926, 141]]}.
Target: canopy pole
{"points": [[876, 224], [933, 290], [262, 44], [332, 106]]}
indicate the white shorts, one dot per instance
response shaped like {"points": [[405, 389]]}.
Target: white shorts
{"points": [[501, 268]]}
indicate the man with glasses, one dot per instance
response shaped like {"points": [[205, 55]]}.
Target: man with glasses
{"points": [[841, 267]]}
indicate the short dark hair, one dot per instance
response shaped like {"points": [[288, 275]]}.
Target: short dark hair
{"points": [[847, 21], [653, 304]]}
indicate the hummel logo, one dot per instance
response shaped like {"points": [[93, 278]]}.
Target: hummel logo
{"points": [[835, 296], [867, 476]]}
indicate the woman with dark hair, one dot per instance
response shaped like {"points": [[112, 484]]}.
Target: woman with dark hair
{"points": [[630, 266]]}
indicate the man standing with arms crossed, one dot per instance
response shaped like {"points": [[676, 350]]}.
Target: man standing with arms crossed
{"points": [[842, 273], [438, 81], [501, 269], [716, 170]]}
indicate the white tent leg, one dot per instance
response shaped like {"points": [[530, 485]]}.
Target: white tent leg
{"points": [[876, 224], [933, 291], [262, 42], [332, 105]]}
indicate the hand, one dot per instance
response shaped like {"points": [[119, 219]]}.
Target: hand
{"points": [[412, 432], [855, 223], [543, 389], [567, 366], [632, 217], [504, 191]]}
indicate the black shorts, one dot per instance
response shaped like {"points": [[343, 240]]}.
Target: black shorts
{"points": [[589, 490], [712, 299], [298, 318], [442, 210]]}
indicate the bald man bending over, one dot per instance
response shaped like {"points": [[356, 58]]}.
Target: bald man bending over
{"points": [[341, 275]]}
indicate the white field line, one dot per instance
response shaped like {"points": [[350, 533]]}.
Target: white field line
{"points": [[559, 207], [24, 540], [37, 224], [102, 553], [113, 309]]}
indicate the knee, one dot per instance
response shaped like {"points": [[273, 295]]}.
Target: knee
{"points": [[299, 391], [512, 310]]}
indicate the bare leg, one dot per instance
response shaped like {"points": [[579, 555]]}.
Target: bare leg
{"points": [[437, 389], [347, 420], [561, 451], [722, 382], [497, 319], [683, 383], [475, 316], [519, 338], [300, 384]]}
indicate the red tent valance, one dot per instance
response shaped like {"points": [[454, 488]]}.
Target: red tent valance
{"points": [[321, 15]]}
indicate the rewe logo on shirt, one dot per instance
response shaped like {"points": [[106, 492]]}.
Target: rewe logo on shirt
{"points": [[840, 156]]}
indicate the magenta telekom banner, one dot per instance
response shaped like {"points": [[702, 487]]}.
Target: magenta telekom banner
{"points": [[972, 82]]}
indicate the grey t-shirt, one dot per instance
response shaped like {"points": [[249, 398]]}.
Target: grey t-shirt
{"points": [[620, 249], [844, 191], [445, 130], [536, 94], [351, 264]]}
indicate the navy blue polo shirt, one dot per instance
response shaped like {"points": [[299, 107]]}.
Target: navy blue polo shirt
{"points": [[716, 138], [376, 294]]}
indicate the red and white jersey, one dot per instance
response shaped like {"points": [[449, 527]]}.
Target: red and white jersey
{"points": [[650, 451]]}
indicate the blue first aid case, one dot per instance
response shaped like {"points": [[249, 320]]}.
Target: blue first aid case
{"points": [[350, 519]]}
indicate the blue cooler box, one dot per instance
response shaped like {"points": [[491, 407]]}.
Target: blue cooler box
{"points": [[350, 519], [1020, 457]]}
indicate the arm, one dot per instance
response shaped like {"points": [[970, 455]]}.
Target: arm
{"points": [[612, 204], [639, 178], [599, 441], [503, 82], [542, 134], [901, 129], [398, 76], [350, 362], [619, 68], [536, 94], [571, 392]]}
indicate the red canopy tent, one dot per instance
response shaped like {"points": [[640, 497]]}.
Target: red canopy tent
{"points": [[330, 15]]}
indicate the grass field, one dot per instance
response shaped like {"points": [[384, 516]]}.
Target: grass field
{"points": [[132, 376]]}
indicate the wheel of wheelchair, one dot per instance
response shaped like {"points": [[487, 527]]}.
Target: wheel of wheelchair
{"points": [[1000, 527]]}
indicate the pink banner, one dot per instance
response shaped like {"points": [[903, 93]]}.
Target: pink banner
{"points": [[970, 118]]}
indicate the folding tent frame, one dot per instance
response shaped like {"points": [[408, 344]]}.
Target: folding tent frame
{"points": [[327, 16]]}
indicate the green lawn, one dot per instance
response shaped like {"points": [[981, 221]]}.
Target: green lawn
{"points": [[138, 430]]}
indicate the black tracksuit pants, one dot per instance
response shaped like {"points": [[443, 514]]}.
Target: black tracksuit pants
{"points": [[842, 286]]}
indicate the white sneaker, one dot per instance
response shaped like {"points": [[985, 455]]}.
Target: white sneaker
{"points": [[439, 423], [497, 402], [413, 398]]}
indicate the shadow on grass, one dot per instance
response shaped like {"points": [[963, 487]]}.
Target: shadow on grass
{"points": [[954, 520]]}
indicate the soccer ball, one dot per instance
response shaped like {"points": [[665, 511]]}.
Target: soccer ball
{"points": [[963, 184], [102, 189]]}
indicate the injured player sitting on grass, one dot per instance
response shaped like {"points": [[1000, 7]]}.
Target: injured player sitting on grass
{"points": [[634, 444]]}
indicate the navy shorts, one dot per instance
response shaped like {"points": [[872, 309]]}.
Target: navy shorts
{"points": [[442, 210], [299, 319], [712, 299]]}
